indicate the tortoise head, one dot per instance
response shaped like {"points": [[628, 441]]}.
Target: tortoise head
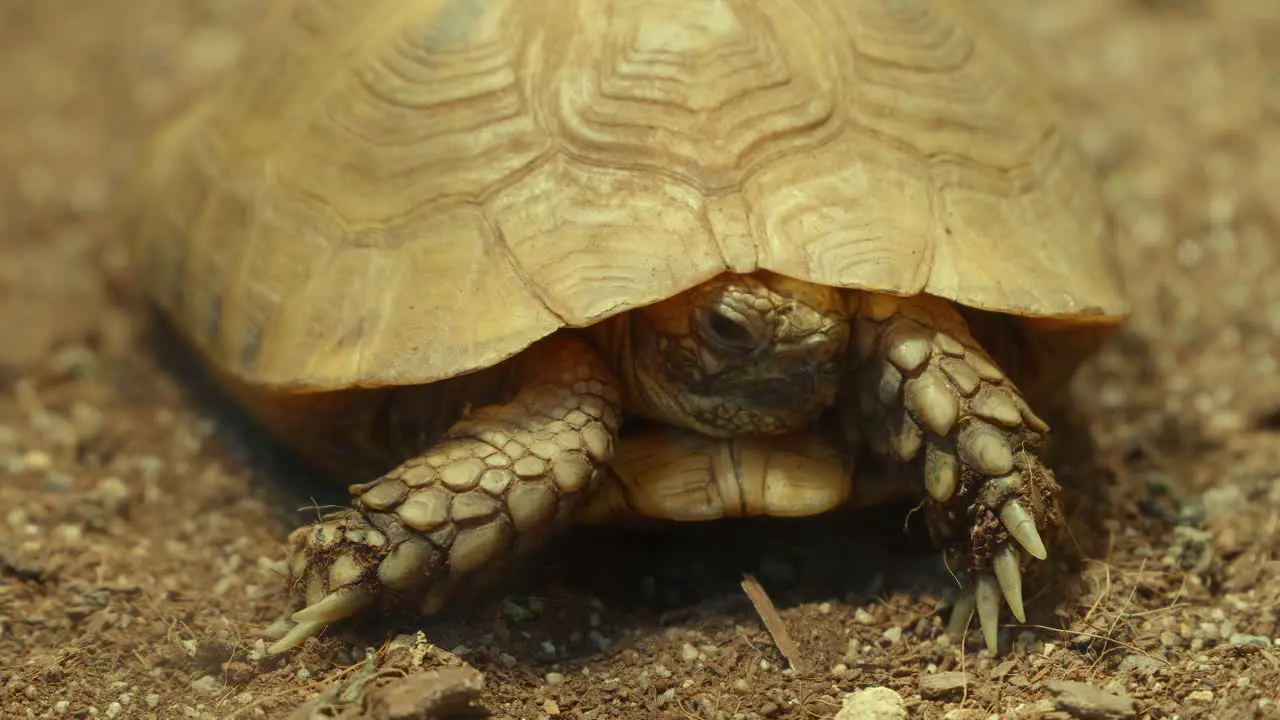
{"points": [[740, 355]]}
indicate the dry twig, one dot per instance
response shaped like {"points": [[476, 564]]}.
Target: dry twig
{"points": [[772, 621]]}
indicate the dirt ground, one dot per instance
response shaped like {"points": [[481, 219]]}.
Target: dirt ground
{"points": [[141, 522]]}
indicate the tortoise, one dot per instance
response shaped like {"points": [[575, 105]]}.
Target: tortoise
{"points": [[504, 267]]}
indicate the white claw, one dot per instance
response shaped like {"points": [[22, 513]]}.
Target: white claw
{"points": [[1009, 576], [988, 602], [1023, 529], [310, 620], [335, 606], [295, 636], [960, 614]]}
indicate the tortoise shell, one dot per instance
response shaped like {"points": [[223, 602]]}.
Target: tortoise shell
{"points": [[395, 192]]}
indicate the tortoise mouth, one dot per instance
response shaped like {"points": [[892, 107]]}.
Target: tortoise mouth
{"points": [[769, 403], [792, 390]]}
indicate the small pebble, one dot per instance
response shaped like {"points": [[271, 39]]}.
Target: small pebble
{"points": [[554, 678], [69, 532], [1028, 643], [688, 653], [1200, 696], [1241, 638], [944, 685], [1221, 501], [1086, 701], [893, 634], [57, 482], [37, 460], [873, 703], [602, 642], [206, 684], [965, 714]]}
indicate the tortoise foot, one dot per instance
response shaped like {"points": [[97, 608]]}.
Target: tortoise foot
{"points": [[929, 394], [499, 483], [333, 568], [992, 527]]}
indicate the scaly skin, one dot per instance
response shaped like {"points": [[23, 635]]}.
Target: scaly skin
{"points": [[492, 489], [738, 357], [927, 393]]}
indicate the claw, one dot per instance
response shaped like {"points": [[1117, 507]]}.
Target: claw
{"points": [[335, 606], [310, 620], [292, 639], [1023, 529], [961, 611], [1009, 575], [987, 596]]}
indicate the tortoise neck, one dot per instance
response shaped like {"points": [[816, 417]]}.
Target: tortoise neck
{"points": [[615, 340]]}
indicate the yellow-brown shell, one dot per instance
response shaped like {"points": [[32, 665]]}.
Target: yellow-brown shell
{"points": [[391, 192]]}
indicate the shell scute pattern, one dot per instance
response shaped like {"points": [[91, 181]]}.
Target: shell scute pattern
{"points": [[717, 91], [374, 140], [868, 144], [586, 234], [862, 242]]}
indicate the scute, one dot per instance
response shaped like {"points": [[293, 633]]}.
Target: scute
{"points": [[702, 90], [397, 191]]}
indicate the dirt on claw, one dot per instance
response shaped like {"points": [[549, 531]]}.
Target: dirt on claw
{"points": [[143, 525]]}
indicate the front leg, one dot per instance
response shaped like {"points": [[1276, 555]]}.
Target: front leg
{"points": [[927, 392], [498, 484]]}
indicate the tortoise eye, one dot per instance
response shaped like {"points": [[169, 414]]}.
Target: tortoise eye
{"points": [[729, 333]]}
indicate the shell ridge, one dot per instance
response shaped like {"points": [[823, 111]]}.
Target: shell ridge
{"points": [[509, 255]]}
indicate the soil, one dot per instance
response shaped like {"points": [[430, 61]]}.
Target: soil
{"points": [[142, 521]]}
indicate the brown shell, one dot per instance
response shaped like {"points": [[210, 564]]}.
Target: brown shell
{"points": [[391, 192]]}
